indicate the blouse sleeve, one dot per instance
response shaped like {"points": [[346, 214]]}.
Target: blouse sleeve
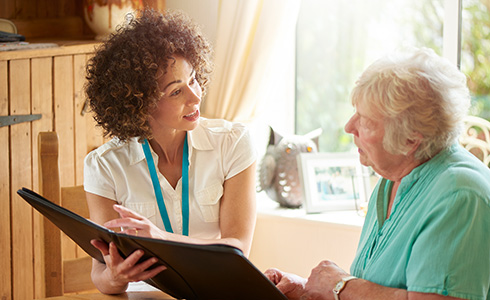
{"points": [[97, 177], [241, 151], [451, 255]]}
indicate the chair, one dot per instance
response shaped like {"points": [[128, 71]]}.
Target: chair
{"points": [[60, 276], [476, 138]]}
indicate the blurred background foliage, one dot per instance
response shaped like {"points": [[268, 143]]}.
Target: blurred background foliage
{"points": [[475, 53], [475, 45], [336, 40]]}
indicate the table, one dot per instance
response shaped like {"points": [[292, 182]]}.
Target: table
{"points": [[153, 295]]}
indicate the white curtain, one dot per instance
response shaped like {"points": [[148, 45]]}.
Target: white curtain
{"points": [[249, 35]]}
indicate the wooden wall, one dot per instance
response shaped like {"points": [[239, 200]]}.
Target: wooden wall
{"points": [[41, 19], [47, 82], [51, 85], [46, 18]]}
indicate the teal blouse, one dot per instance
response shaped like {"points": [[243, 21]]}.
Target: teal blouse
{"points": [[437, 237]]}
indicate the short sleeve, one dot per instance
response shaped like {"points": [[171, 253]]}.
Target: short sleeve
{"points": [[240, 153], [97, 178], [451, 255]]}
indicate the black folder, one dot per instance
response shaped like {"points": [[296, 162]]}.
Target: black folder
{"points": [[218, 272]]}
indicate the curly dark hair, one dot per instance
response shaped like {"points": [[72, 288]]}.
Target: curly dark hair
{"points": [[122, 87]]}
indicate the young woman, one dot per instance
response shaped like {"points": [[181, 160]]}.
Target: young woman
{"points": [[167, 173]]}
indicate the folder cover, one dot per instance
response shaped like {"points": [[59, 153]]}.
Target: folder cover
{"points": [[218, 272]]}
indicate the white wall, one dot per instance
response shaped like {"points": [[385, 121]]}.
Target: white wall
{"points": [[204, 13], [297, 245]]}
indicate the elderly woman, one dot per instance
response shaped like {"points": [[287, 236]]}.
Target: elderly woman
{"points": [[167, 173], [426, 233]]}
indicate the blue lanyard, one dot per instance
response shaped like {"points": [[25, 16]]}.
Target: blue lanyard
{"points": [[158, 190]]}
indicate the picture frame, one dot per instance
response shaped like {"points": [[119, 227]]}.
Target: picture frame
{"points": [[332, 181]]}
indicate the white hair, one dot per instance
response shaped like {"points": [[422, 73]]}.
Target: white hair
{"points": [[415, 92]]}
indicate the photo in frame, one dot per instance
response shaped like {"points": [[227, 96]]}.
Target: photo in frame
{"points": [[332, 181]]}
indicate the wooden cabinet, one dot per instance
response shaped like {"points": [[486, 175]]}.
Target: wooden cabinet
{"points": [[56, 19], [47, 82]]}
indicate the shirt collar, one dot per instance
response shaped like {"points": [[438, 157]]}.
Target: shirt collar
{"points": [[136, 153], [426, 170], [431, 166], [199, 139], [196, 139]]}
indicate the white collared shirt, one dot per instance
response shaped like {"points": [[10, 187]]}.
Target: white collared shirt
{"points": [[218, 150]]}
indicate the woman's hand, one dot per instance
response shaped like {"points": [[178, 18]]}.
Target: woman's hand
{"points": [[322, 280], [118, 272], [292, 286], [113, 276], [135, 224], [325, 276]]}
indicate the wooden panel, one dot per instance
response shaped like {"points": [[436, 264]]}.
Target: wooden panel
{"points": [[5, 246], [70, 8], [24, 9], [63, 112], [51, 93], [73, 198], [81, 130], [76, 275], [94, 133], [66, 48], [42, 102], [79, 63], [43, 18], [28, 9], [51, 256], [50, 27], [42, 9], [53, 18], [64, 126], [7, 9], [21, 176]]}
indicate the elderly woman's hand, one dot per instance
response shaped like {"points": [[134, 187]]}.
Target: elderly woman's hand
{"points": [[292, 286], [322, 280], [135, 224]]}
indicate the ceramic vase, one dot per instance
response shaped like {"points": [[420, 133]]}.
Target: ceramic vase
{"points": [[103, 16]]}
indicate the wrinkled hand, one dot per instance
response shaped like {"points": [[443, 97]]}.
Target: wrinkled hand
{"points": [[135, 224], [322, 280], [292, 286], [120, 271]]}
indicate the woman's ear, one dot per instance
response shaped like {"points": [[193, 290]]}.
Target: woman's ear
{"points": [[413, 143]]}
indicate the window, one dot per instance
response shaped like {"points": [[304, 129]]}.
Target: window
{"points": [[475, 54], [337, 40]]}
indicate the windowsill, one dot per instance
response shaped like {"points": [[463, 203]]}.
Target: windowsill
{"points": [[269, 208]]}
